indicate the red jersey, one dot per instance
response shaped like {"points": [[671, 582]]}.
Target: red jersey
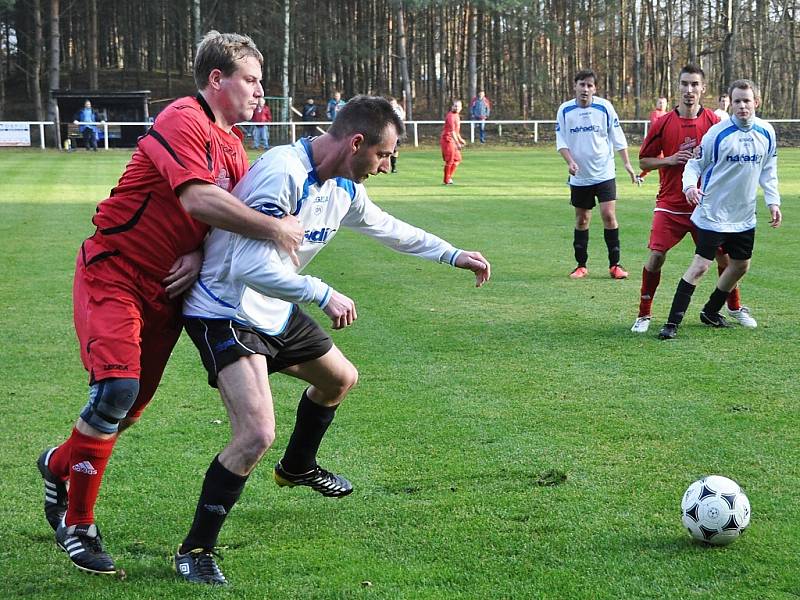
{"points": [[668, 135], [143, 219], [655, 115], [262, 115], [452, 123]]}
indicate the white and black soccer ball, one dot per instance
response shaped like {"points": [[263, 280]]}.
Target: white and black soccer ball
{"points": [[715, 510]]}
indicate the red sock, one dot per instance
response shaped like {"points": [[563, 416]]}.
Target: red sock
{"points": [[88, 461], [650, 283], [59, 459], [446, 173], [734, 299]]}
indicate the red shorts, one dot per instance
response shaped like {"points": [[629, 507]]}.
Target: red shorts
{"points": [[125, 323], [669, 229], [450, 152]]}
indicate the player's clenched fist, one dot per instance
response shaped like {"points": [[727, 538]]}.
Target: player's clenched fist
{"points": [[341, 310]]}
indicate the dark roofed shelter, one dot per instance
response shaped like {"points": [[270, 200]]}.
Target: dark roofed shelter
{"points": [[110, 106]]}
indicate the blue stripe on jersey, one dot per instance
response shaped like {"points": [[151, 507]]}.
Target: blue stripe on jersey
{"points": [[273, 210], [348, 186], [704, 186], [766, 134], [599, 107], [721, 136], [602, 109], [216, 298]]}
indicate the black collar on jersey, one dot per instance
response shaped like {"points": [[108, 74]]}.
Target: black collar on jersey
{"points": [[206, 108]]}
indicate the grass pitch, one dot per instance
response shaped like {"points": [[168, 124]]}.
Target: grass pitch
{"points": [[516, 441]]}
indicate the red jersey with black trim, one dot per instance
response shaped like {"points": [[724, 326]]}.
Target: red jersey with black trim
{"points": [[668, 135], [452, 124], [143, 218]]}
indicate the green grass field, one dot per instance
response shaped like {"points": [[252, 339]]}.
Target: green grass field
{"points": [[469, 400]]}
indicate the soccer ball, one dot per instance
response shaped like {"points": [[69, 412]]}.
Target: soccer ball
{"points": [[715, 510]]}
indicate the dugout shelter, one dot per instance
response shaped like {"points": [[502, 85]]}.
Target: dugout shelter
{"points": [[121, 107]]}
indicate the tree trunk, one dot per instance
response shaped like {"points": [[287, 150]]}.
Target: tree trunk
{"points": [[54, 68], [472, 60], [36, 63], [401, 51], [287, 39], [637, 61], [92, 58]]}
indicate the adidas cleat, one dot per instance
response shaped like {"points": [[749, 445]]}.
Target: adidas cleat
{"points": [[55, 491], [199, 566], [326, 483], [713, 320], [84, 545], [641, 325]]}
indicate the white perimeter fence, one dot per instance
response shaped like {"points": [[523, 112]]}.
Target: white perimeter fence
{"points": [[14, 133]]}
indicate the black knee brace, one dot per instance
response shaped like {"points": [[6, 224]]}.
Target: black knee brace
{"points": [[109, 403]]}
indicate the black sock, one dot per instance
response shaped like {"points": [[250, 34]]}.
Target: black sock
{"points": [[715, 301], [683, 296], [309, 428], [221, 489], [581, 244], [612, 242], [393, 160]]}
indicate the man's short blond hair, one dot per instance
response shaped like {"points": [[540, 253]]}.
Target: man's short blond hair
{"points": [[221, 51], [744, 84]]}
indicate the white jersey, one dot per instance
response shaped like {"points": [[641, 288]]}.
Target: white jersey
{"points": [[732, 161], [592, 135], [722, 114], [252, 281]]}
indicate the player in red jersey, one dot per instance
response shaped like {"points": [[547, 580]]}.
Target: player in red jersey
{"points": [[669, 144], [131, 273], [451, 142]]}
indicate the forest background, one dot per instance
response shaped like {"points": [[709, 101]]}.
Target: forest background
{"points": [[523, 54]]}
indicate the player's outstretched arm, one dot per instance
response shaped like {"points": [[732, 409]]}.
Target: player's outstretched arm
{"points": [[475, 262], [341, 310]]}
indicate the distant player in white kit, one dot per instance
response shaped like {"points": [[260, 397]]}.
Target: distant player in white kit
{"points": [[587, 135], [243, 316], [736, 156]]}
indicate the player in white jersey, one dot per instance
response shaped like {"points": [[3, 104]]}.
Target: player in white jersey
{"points": [[243, 316], [587, 135], [736, 156]]}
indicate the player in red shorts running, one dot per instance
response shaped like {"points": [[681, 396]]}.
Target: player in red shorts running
{"points": [[131, 273], [669, 144]]}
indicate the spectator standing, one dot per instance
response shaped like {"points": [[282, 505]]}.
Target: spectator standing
{"points": [[479, 110], [335, 104], [309, 114], [261, 114], [89, 132]]}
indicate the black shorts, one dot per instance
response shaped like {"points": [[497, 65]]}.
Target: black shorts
{"points": [[582, 196], [222, 342], [739, 245]]}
